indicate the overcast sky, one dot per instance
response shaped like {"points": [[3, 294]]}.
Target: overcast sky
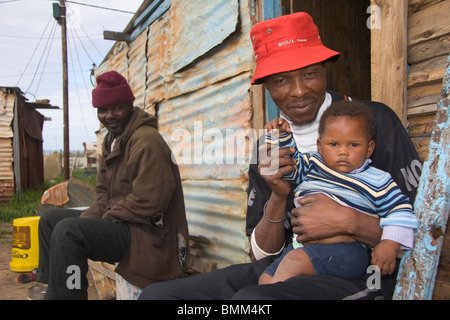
{"points": [[31, 58]]}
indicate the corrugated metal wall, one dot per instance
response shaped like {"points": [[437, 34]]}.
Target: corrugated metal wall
{"points": [[6, 147], [192, 68]]}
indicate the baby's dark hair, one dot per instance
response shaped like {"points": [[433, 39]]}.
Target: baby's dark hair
{"points": [[351, 109]]}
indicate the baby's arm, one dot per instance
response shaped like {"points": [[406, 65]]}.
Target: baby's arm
{"points": [[384, 256], [283, 139]]}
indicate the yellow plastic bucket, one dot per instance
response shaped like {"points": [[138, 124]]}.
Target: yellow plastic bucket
{"points": [[25, 251]]}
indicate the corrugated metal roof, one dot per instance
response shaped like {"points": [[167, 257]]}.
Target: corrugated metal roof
{"points": [[196, 61]]}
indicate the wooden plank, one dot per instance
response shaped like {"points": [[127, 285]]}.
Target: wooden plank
{"points": [[422, 147], [416, 277], [429, 49], [116, 36], [428, 72], [389, 54], [416, 95], [417, 5], [104, 279], [258, 102], [423, 109], [429, 23], [421, 125]]}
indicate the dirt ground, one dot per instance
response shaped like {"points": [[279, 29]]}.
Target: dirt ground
{"points": [[10, 288]]}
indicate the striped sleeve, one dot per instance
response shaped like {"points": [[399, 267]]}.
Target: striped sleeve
{"points": [[286, 140]]}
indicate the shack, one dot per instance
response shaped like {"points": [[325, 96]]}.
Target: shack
{"points": [[21, 153], [190, 63]]}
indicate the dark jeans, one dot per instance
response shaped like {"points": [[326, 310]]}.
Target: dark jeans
{"points": [[66, 241], [240, 282]]}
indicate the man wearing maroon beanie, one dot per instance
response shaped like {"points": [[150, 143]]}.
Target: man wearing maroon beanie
{"points": [[139, 217]]}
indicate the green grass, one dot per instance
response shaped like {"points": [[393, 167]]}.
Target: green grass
{"points": [[25, 203]]}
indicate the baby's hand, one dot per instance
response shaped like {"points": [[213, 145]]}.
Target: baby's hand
{"points": [[278, 124], [384, 254]]}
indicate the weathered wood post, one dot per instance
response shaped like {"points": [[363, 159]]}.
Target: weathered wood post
{"points": [[418, 269]]}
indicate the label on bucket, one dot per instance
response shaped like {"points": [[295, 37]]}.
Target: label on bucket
{"points": [[21, 237], [19, 255]]}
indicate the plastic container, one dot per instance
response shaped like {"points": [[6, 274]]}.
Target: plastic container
{"points": [[25, 251], [37, 292]]}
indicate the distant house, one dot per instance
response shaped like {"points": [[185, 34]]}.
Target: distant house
{"points": [[90, 154], [21, 153]]}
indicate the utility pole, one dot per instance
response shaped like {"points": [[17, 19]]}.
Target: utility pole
{"points": [[65, 90]]}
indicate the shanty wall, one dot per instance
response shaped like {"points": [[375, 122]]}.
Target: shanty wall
{"points": [[6, 146], [21, 154], [428, 57], [428, 50], [192, 68]]}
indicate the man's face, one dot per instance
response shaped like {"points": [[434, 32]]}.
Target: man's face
{"points": [[115, 118], [299, 93]]}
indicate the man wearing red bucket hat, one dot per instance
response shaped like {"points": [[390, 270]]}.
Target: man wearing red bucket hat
{"points": [[139, 217], [290, 60]]}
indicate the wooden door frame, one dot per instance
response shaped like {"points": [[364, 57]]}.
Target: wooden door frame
{"points": [[388, 22]]}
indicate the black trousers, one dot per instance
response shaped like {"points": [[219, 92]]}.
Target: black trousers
{"points": [[66, 241], [240, 282]]}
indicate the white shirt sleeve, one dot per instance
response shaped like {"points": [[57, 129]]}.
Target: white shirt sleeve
{"points": [[257, 251]]}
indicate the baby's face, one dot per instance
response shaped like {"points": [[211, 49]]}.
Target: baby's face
{"points": [[344, 144]]}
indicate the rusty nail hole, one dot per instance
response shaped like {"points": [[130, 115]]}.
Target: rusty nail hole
{"points": [[436, 232]]}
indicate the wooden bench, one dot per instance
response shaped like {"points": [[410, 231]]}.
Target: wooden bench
{"points": [[111, 285]]}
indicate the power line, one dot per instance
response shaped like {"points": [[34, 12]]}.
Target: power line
{"points": [[35, 38], [35, 50], [39, 73], [81, 26], [77, 91], [46, 59], [98, 7]]}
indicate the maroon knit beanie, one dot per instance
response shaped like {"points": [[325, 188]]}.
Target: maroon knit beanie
{"points": [[112, 89]]}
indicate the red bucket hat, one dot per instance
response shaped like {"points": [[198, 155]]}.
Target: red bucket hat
{"points": [[112, 89], [287, 43]]}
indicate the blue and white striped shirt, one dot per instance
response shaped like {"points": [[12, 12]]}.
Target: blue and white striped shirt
{"points": [[368, 189]]}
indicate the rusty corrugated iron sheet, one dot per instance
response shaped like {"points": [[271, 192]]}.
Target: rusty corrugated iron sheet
{"points": [[6, 114], [197, 63], [137, 58], [206, 125], [6, 160], [158, 50], [6, 147], [197, 27]]}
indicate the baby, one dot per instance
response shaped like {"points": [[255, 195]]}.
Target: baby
{"points": [[341, 169]]}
